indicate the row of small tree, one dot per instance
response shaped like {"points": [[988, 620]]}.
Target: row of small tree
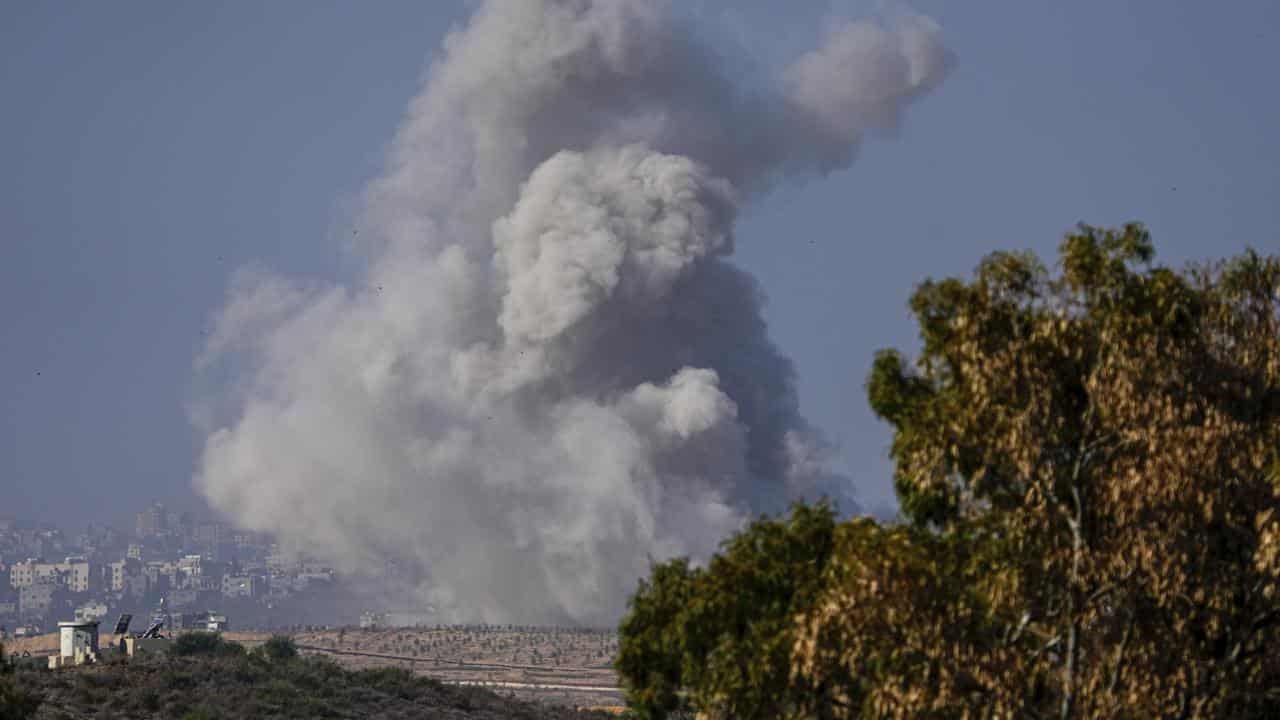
{"points": [[1088, 465]]}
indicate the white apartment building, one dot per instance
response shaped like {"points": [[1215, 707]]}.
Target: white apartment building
{"points": [[74, 573]]}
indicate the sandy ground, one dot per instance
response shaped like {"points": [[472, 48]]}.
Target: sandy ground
{"points": [[46, 644]]}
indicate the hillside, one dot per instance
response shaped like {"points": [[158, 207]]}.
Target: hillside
{"points": [[561, 666], [230, 683]]}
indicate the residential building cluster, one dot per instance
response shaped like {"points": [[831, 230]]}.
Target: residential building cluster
{"points": [[169, 560]]}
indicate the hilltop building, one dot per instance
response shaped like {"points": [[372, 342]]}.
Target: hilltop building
{"points": [[78, 643]]}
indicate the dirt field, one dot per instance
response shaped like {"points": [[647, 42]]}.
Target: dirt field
{"points": [[565, 666], [46, 644]]}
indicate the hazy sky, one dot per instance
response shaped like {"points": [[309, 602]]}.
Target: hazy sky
{"points": [[150, 149]]}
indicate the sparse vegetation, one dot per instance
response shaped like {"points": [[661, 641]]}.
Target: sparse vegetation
{"points": [[209, 681], [16, 702]]}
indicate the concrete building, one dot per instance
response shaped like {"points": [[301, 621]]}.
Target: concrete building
{"points": [[190, 567], [75, 573], [127, 576], [185, 598], [92, 610], [195, 572], [77, 643], [22, 574], [180, 524], [161, 574], [80, 574], [243, 586], [152, 521], [212, 534], [121, 570], [280, 562], [38, 599], [144, 646], [304, 581], [248, 539]]}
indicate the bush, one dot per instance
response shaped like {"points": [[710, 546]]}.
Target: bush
{"points": [[146, 699], [278, 648], [15, 703], [205, 643], [393, 681]]}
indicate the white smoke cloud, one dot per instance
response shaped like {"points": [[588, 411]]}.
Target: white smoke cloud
{"points": [[550, 371]]}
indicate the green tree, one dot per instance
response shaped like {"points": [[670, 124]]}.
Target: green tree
{"points": [[651, 653], [1088, 461], [720, 638]]}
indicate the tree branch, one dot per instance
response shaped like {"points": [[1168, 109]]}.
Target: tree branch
{"points": [[1119, 661], [1261, 622]]}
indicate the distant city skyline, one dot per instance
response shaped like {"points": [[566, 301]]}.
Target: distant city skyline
{"points": [[168, 560]]}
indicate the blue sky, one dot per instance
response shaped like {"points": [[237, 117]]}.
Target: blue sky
{"points": [[150, 149]]}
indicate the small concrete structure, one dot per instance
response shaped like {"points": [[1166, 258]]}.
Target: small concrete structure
{"points": [[78, 643], [155, 646]]}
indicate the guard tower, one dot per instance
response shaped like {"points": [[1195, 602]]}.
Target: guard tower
{"points": [[78, 643]]}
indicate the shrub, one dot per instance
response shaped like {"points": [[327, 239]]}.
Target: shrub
{"points": [[15, 703], [146, 699], [205, 643], [278, 648]]}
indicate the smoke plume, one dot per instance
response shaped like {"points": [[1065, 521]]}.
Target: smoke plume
{"points": [[550, 372]]}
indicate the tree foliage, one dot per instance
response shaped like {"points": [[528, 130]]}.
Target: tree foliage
{"points": [[720, 638], [1089, 464], [651, 654]]}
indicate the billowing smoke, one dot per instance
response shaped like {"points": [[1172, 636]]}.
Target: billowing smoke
{"points": [[549, 372]]}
